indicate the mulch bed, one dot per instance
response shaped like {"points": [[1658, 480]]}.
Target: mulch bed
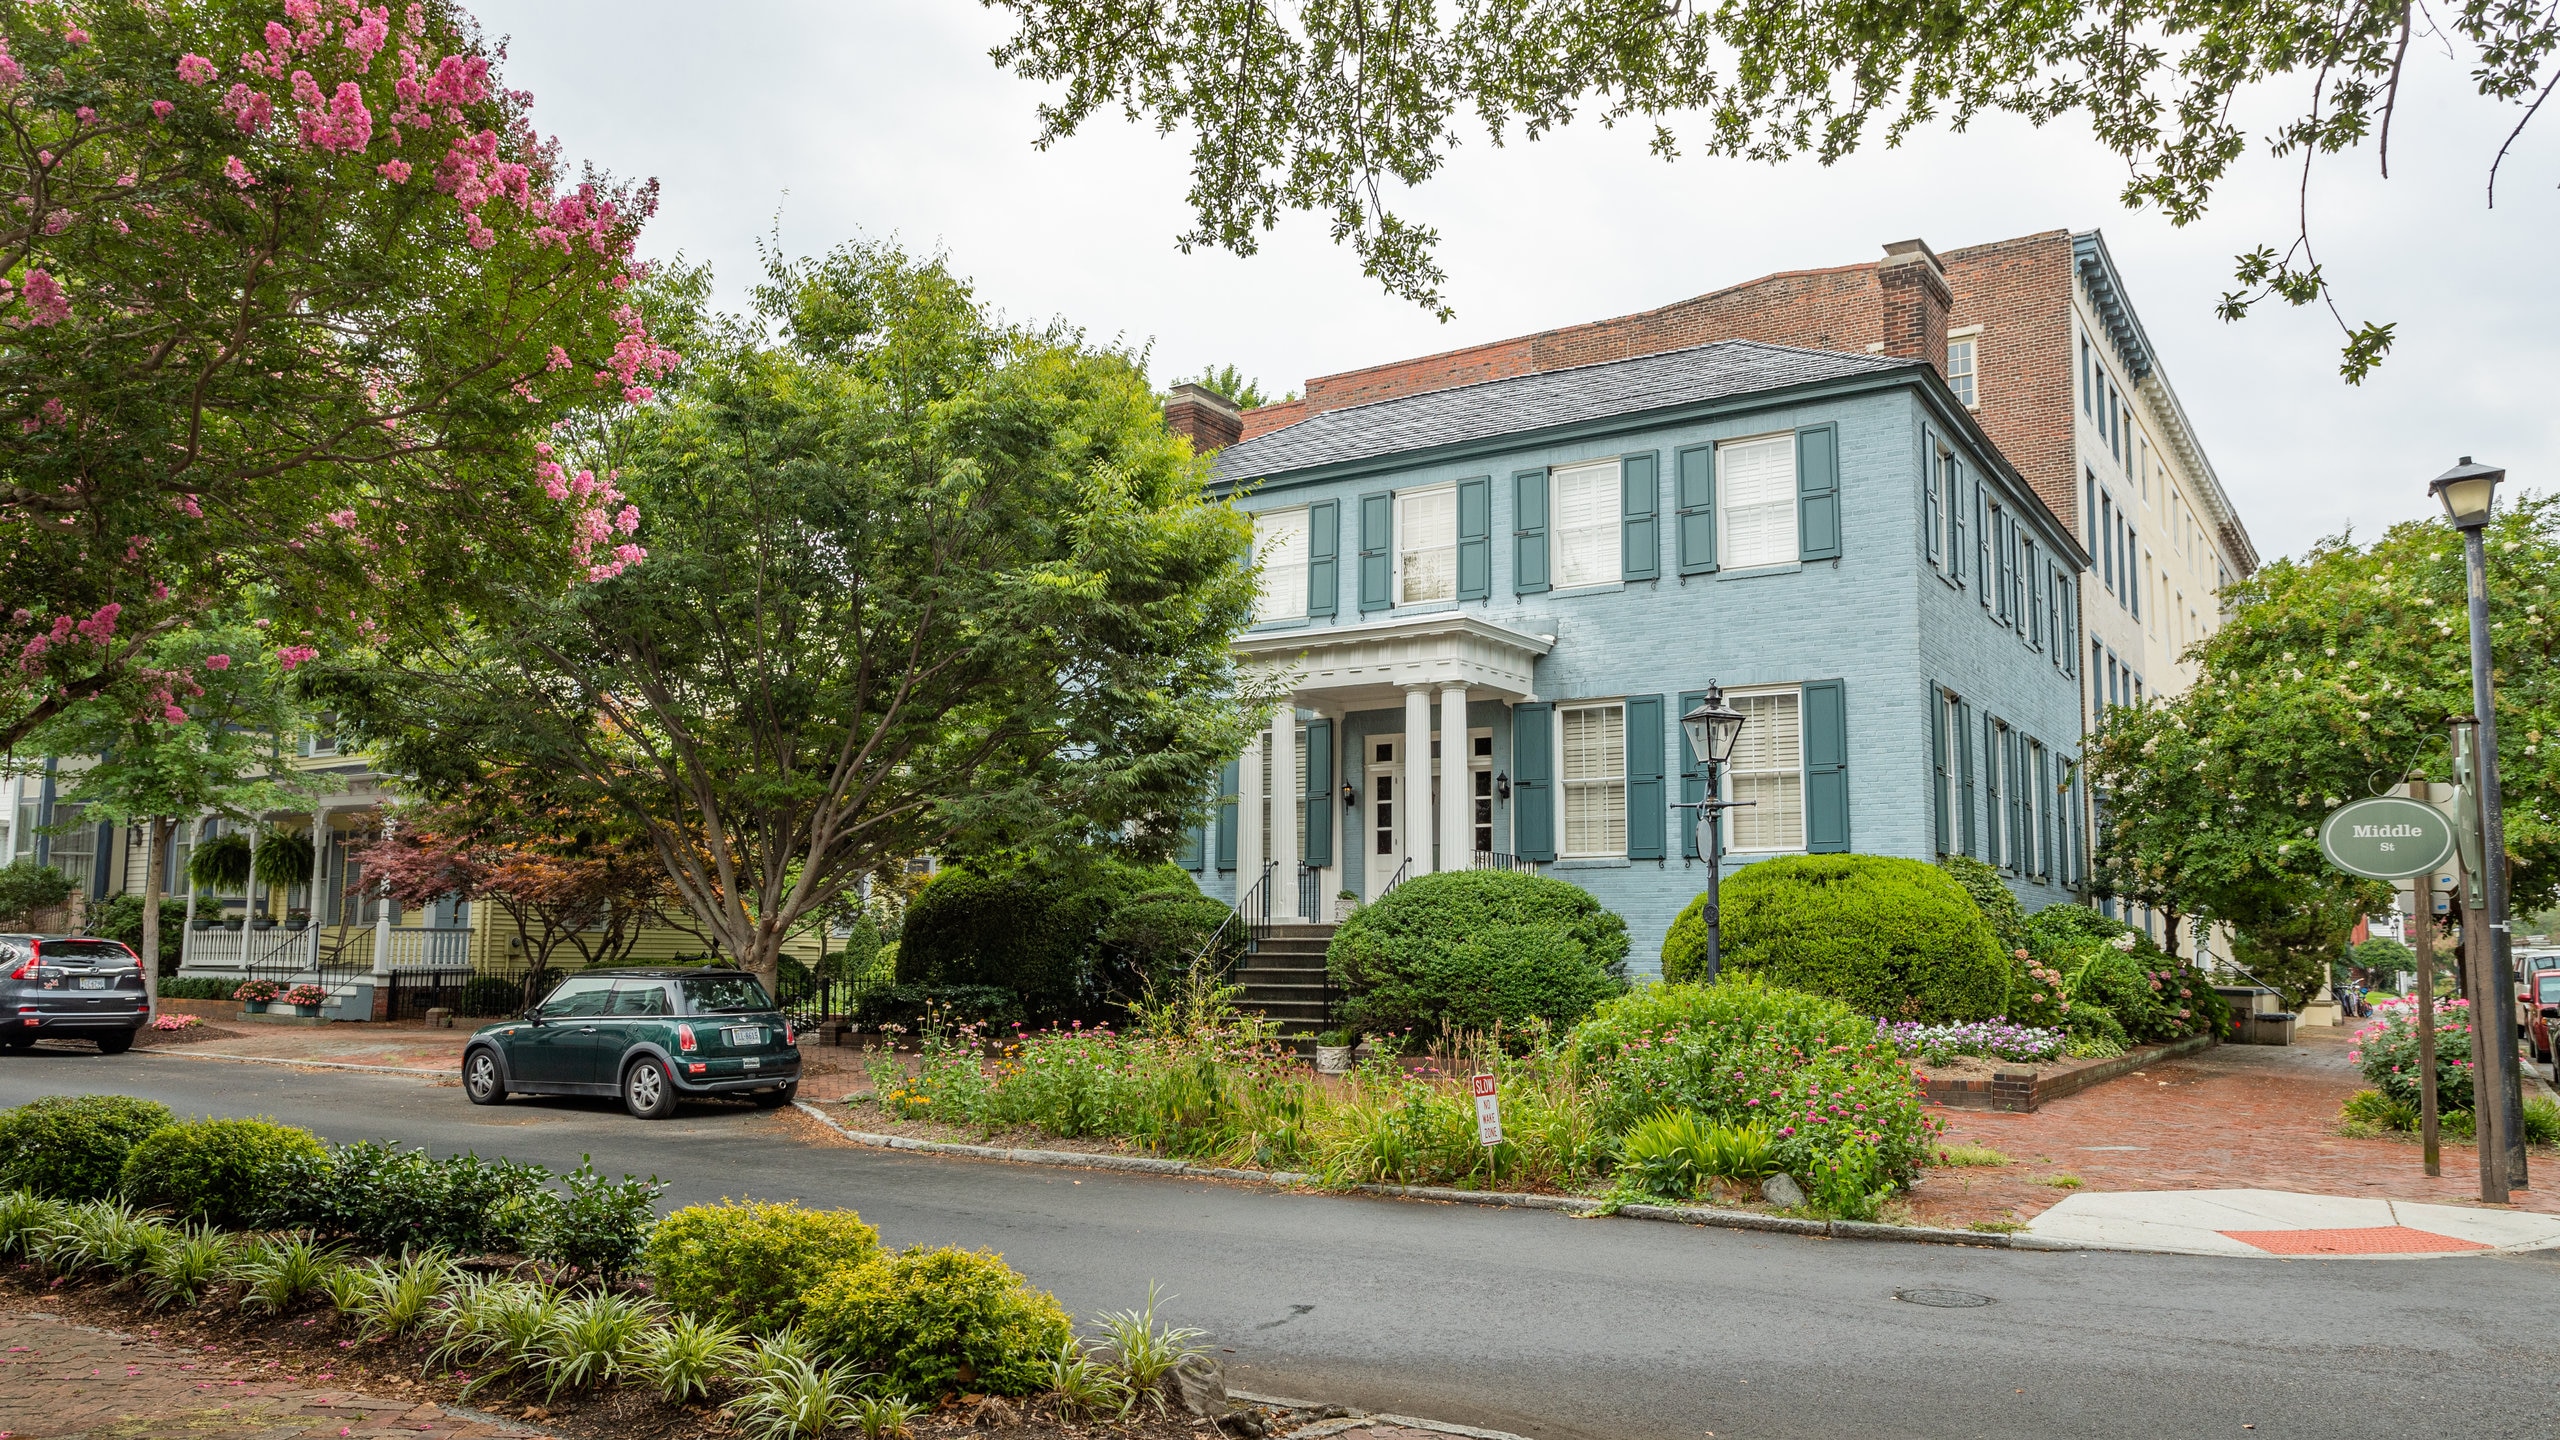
{"points": [[195, 1034], [318, 1343]]}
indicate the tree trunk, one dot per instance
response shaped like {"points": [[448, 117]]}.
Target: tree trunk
{"points": [[154, 879], [2170, 914]]}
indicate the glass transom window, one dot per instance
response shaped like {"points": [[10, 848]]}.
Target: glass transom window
{"points": [[1768, 770], [1595, 780], [1758, 488], [1427, 546], [1280, 540], [1587, 500]]}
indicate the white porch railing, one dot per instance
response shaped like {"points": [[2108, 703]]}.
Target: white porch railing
{"points": [[424, 947], [271, 949], [413, 947]]}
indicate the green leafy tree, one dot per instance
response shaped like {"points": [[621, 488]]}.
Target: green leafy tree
{"points": [[1227, 380], [290, 296], [213, 746], [1330, 106], [2382, 959], [919, 582]]}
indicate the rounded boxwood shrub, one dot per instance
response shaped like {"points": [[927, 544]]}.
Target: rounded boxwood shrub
{"points": [[931, 1321], [73, 1147], [1041, 929], [1993, 897], [222, 1172], [747, 1264], [1898, 939], [1472, 949]]}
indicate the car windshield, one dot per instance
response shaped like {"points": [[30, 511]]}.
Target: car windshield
{"points": [[724, 994], [95, 952], [2550, 991]]}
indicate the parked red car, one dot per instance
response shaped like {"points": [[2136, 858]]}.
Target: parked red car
{"points": [[2546, 1011]]}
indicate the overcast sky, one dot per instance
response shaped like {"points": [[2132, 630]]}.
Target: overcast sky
{"points": [[885, 118]]}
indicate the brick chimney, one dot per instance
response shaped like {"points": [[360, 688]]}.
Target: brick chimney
{"points": [[1916, 301], [1213, 423]]}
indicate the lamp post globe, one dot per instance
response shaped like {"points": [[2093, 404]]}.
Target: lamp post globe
{"points": [[2465, 491]]}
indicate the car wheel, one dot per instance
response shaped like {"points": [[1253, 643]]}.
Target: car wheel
{"points": [[777, 1098], [648, 1091], [482, 1080], [115, 1044]]}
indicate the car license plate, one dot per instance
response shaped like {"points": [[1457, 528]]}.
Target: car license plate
{"points": [[752, 1062], [746, 1035], [92, 982]]}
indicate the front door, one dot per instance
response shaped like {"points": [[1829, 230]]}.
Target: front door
{"points": [[1384, 784]]}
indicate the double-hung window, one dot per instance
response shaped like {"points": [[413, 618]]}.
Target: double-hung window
{"points": [[1961, 355], [1767, 770], [1586, 507], [1427, 545], [1280, 541], [1595, 780], [2029, 574], [1951, 484], [1758, 492]]}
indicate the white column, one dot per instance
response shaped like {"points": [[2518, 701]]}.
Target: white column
{"points": [[1413, 828], [311, 891], [382, 922], [1285, 795], [1248, 818], [1457, 802], [249, 892], [187, 932]]}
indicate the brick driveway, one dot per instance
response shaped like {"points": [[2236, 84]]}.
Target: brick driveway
{"points": [[2233, 1117], [60, 1379]]}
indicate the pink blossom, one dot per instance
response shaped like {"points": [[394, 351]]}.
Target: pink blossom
{"points": [[11, 72], [398, 170], [628, 520], [173, 715], [196, 69], [559, 360], [249, 109], [343, 519], [101, 627], [188, 503], [292, 656], [87, 116], [367, 39], [217, 662], [238, 172], [53, 410], [73, 34], [160, 109], [46, 304]]}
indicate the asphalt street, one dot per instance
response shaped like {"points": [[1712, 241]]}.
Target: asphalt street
{"points": [[1530, 1322]]}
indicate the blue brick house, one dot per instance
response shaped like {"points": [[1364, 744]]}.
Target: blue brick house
{"points": [[1490, 605]]}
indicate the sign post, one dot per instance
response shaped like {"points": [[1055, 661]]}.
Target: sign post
{"points": [[1488, 1110], [2393, 838]]}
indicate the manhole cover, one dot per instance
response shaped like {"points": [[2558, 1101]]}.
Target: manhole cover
{"points": [[1943, 1299]]}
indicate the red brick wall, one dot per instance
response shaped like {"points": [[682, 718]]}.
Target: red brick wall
{"points": [[2019, 292]]}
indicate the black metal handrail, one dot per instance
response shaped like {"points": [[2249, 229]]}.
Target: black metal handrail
{"points": [[1249, 921], [1395, 880], [1310, 906], [1497, 860]]}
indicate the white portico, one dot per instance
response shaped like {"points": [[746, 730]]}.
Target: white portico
{"points": [[1411, 796]]}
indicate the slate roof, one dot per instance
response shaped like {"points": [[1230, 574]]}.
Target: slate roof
{"points": [[1523, 403]]}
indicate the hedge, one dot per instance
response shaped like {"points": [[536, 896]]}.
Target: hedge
{"points": [[1070, 936], [748, 1265], [930, 1321], [73, 1147], [222, 1172], [1897, 939], [1472, 949]]}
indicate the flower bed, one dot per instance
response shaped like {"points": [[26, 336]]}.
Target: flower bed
{"points": [[1990, 1039]]}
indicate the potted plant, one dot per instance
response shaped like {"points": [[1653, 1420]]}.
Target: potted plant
{"points": [[284, 858], [306, 999], [221, 864], [297, 919], [262, 921], [1333, 1051], [254, 995], [233, 922]]}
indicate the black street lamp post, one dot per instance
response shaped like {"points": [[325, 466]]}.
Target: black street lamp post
{"points": [[1712, 729], [2467, 491]]}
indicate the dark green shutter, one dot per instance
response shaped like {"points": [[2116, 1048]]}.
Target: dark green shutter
{"points": [[1930, 516], [1991, 812], [2075, 870], [1533, 770], [1475, 538], [1938, 767], [1981, 545], [1194, 848], [1693, 777], [1962, 740], [1377, 559], [1529, 532], [1228, 776], [1818, 493], [1640, 517], [1645, 807], [1693, 489], [2044, 814], [1317, 830], [2019, 860], [1324, 564], [1826, 767], [1955, 518]]}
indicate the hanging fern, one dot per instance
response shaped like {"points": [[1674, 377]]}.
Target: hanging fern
{"points": [[221, 863], [284, 858]]}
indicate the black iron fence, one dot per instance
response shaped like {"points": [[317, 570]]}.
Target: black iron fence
{"points": [[489, 991], [1497, 860]]}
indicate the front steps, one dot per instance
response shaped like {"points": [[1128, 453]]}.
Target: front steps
{"points": [[1284, 979]]}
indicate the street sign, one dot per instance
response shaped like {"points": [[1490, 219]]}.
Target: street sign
{"points": [[1488, 1111], [2387, 838]]}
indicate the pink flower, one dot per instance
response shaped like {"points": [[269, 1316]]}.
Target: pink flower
{"points": [[196, 69], [398, 170], [75, 35], [292, 656], [217, 662], [173, 715], [160, 109], [238, 173], [46, 304]]}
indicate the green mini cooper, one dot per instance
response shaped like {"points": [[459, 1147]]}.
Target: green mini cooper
{"points": [[647, 1035]]}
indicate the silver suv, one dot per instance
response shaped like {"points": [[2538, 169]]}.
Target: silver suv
{"points": [[77, 987]]}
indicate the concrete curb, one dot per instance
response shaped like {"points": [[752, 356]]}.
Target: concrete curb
{"points": [[1356, 1419], [453, 1074], [1578, 1206]]}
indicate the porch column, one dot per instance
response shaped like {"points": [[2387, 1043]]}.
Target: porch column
{"points": [[1248, 818], [382, 922], [249, 892], [1457, 802], [1413, 832], [187, 932], [311, 892], [1285, 797]]}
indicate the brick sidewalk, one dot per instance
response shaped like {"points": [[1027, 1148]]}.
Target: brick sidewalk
{"points": [[2234, 1117], [60, 1379]]}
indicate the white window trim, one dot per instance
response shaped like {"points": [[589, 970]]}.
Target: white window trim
{"points": [[1728, 560], [1726, 776], [1564, 826], [1612, 569], [1402, 532], [1265, 611], [1971, 337]]}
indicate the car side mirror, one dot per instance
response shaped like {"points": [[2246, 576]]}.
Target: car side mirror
{"points": [[534, 1015]]}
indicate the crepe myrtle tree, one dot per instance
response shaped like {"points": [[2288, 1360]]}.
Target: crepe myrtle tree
{"points": [[920, 582], [1333, 105], [211, 746], [290, 295]]}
